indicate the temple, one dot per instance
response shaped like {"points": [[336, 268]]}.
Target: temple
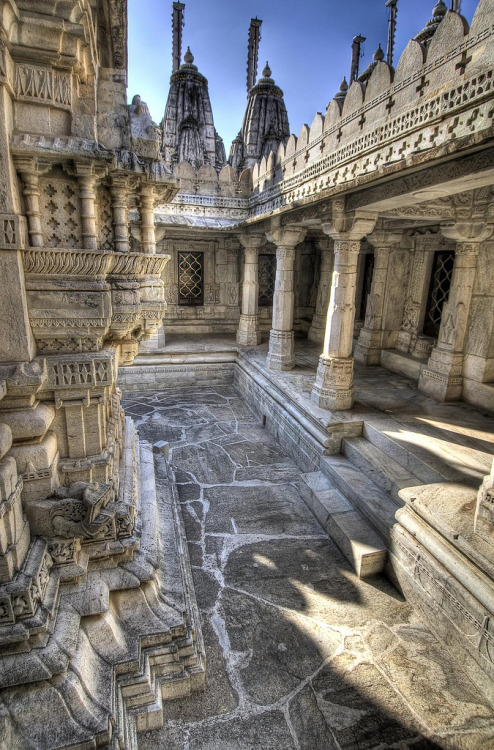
{"points": [[246, 405]]}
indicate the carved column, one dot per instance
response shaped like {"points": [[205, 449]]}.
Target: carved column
{"points": [[416, 294], [87, 183], [248, 333], [318, 325], [443, 375], [281, 354], [119, 197], [146, 210], [369, 344], [30, 176], [333, 388]]}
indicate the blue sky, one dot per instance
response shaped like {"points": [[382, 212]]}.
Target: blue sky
{"points": [[308, 45]]}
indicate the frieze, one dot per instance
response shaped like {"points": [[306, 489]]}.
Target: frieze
{"points": [[452, 170], [33, 83], [87, 373]]}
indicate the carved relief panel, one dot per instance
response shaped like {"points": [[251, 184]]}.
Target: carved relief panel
{"points": [[60, 211], [105, 225]]}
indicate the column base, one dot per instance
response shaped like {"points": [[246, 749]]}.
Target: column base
{"points": [[281, 354], [333, 387], [442, 377], [368, 347], [248, 333]]}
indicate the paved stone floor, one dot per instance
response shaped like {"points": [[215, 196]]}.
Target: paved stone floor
{"points": [[301, 654]]}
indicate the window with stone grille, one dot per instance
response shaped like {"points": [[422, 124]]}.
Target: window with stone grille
{"points": [[190, 278], [442, 271], [267, 277], [366, 283], [105, 226], [60, 213]]}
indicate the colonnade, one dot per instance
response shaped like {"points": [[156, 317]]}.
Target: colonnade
{"points": [[334, 317]]}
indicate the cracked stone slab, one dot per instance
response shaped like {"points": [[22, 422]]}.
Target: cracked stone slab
{"points": [[267, 510], [312, 577], [207, 462], [267, 730], [283, 648]]}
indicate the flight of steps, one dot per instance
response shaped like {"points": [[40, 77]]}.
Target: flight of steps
{"points": [[356, 494]]}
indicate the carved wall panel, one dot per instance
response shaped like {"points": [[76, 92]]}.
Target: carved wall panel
{"points": [[105, 219], [61, 212]]}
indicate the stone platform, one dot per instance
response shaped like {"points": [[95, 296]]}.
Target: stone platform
{"points": [[301, 653]]}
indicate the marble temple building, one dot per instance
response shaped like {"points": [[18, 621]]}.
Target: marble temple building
{"points": [[246, 396]]}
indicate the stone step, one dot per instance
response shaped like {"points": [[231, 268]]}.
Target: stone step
{"points": [[379, 466], [386, 434], [348, 529], [372, 501]]}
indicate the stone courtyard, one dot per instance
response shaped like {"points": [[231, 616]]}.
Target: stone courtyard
{"points": [[300, 652]]}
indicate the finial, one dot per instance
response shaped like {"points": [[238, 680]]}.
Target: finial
{"points": [[439, 11], [342, 92], [188, 57], [266, 73], [379, 54]]}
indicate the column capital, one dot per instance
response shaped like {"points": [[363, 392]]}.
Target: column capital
{"points": [[468, 232], [385, 238], [289, 235], [147, 192], [251, 241], [354, 225], [119, 181], [31, 165]]}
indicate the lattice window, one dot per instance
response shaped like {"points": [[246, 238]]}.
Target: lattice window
{"points": [[105, 225], [267, 277], [190, 278], [442, 271], [61, 213], [366, 283]]}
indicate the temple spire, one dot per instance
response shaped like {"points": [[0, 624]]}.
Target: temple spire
{"points": [[393, 12], [456, 6], [177, 25], [253, 52], [356, 55]]}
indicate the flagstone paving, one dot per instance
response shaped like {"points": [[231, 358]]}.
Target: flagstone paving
{"points": [[300, 653]]}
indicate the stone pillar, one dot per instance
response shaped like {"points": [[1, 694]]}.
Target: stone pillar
{"points": [[87, 182], [119, 197], [318, 325], [30, 177], [248, 333], [281, 354], [146, 210], [333, 388], [369, 344], [443, 376], [416, 294]]}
